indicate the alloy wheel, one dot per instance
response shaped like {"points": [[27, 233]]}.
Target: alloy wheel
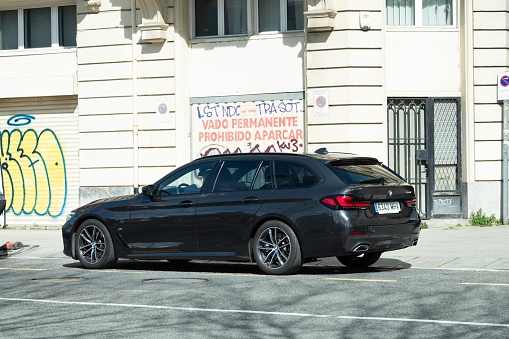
{"points": [[92, 244], [274, 247]]}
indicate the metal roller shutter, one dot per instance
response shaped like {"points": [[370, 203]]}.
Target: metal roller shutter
{"points": [[39, 159]]}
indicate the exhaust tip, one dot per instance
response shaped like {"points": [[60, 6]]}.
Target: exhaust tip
{"points": [[361, 248], [414, 243]]}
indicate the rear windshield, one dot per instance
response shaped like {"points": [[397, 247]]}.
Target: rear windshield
{"points": [[365, 174]]}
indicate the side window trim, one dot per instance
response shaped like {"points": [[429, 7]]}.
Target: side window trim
{"points": [[256, 175], [272, 174], [209, 177], [220, 167], [209, 183]]}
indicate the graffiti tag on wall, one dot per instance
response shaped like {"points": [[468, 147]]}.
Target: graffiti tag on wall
{"points": [[274, 126], [33, 169]]}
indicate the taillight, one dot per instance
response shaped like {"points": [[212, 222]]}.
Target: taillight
{"points": [[329, 201], [411, 202], [347, 201], [343, 201]]}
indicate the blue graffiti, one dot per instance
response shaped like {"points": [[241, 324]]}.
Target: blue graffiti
{"points": [[282, 107], [263, 108], [224, 111], [20, 120]]}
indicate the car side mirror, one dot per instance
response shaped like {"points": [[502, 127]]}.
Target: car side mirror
{"points": [[148, 190]]}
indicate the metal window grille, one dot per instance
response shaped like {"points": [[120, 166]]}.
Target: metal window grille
{"points": [[407, 135], [446, 137], [424, 148]]}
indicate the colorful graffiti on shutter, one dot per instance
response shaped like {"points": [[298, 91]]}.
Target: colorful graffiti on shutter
{"points": [[33, 169]]}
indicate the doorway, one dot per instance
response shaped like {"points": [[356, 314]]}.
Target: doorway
{"points": [[424, 142]]}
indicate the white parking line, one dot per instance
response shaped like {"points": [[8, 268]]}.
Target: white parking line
{"points": [[41, 258], [23, 269], [484, 284], [309, 315], [353, 279], [460, 269]]}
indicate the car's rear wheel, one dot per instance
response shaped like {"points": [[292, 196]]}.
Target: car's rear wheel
{"points": [[94, 246], [360, 260], [277, 248]]}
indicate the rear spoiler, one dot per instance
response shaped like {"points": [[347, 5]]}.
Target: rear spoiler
{"points": [[354, 161]]}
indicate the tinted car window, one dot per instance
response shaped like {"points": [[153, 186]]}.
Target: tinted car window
{"points": [[360, 174], [293, 175], [236, 176], [187, 181]]}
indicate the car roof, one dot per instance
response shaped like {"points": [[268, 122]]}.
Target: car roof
{"points": [[325, 156]]}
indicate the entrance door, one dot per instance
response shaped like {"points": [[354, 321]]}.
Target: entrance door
{"points": [[424, 148]]}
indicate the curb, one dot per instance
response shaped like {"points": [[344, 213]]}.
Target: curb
{"points": [[451, 224], [445, 223], [31, 228]]}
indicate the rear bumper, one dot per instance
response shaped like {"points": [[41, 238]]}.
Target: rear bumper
{"points": [[380, 234], [379, 243]]}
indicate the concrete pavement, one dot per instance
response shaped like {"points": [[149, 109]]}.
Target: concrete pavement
{"points": [[440, 246], [465, 247]]}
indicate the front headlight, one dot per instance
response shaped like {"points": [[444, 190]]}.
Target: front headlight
{"points": [[70, 216]]}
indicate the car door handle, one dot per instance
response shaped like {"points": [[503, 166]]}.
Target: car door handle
{"points": [[249, 200], [187, 203]]}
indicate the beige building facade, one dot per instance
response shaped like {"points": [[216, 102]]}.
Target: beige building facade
{"points": [[149, 85]]}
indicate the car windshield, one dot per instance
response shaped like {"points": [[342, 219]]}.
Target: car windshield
{"points": [[356, 174]]}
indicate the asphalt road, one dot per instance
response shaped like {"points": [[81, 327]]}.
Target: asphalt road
{"points": [[44, 294]]}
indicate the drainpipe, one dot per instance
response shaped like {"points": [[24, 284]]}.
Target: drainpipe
{"points": [[305, 124], [136, 169], [505, 154]]}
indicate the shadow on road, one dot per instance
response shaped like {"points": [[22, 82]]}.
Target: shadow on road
{"points": [[327, 266]]}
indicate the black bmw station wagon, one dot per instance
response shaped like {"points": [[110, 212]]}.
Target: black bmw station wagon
{"points": [[278, 210]]}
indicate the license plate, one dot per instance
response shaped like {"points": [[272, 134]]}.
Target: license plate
{"points": [[387, 207]]}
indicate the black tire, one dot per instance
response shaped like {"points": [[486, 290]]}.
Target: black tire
{"points": [[276, 248], [94, 247], [360, 260]]}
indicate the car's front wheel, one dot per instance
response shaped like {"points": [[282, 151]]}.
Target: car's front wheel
{"points": [[360, 260], [94, 246], [277, 248]]}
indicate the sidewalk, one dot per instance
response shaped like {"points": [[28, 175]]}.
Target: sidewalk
{"points": [[38, 242], [452, 247], [442, 245]]}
